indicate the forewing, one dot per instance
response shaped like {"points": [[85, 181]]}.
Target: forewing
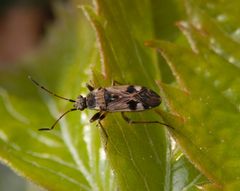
{"points": [[121, 98]]}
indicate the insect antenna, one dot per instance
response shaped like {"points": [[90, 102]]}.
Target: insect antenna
{"points": [[50, 92], [55, 123]]}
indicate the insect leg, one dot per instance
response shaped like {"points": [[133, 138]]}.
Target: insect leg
{"points": [[100, 116], [129, 121], [102, 128], [95, 117], [89, 87], [114, 83]]}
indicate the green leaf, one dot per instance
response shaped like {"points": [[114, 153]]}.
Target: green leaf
{"points": [[139, 154], [184, 175], [139, 151], [206, 115], [208, 80]]}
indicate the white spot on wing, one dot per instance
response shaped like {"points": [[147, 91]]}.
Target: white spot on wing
{"points": [[140, 106], [138, 88]]}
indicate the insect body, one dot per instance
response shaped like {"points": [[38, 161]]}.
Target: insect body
{"points": [[119, 99], [116, 98]]}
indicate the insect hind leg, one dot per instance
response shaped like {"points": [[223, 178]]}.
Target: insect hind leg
{"points": [[130, 121], [114, 83]]}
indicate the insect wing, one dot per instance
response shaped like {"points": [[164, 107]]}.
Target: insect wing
{"points": [[130, 98], [116, 98]]}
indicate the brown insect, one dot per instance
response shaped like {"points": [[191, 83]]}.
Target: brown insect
{"points": [[116, 98]]}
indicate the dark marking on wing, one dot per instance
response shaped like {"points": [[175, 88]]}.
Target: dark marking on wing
{"points": [[131, 89], [148, 98], [145, 106], [132, 104], [109, 97]]}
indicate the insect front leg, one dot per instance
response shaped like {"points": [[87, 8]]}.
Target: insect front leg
{"points": [[129, 121], [99, 116]]}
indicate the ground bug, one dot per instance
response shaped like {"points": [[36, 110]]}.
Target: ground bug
{"points": [[116, 98]]}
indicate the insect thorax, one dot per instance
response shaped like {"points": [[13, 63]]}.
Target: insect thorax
{"points": [[97, 99], [91, 100]]}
